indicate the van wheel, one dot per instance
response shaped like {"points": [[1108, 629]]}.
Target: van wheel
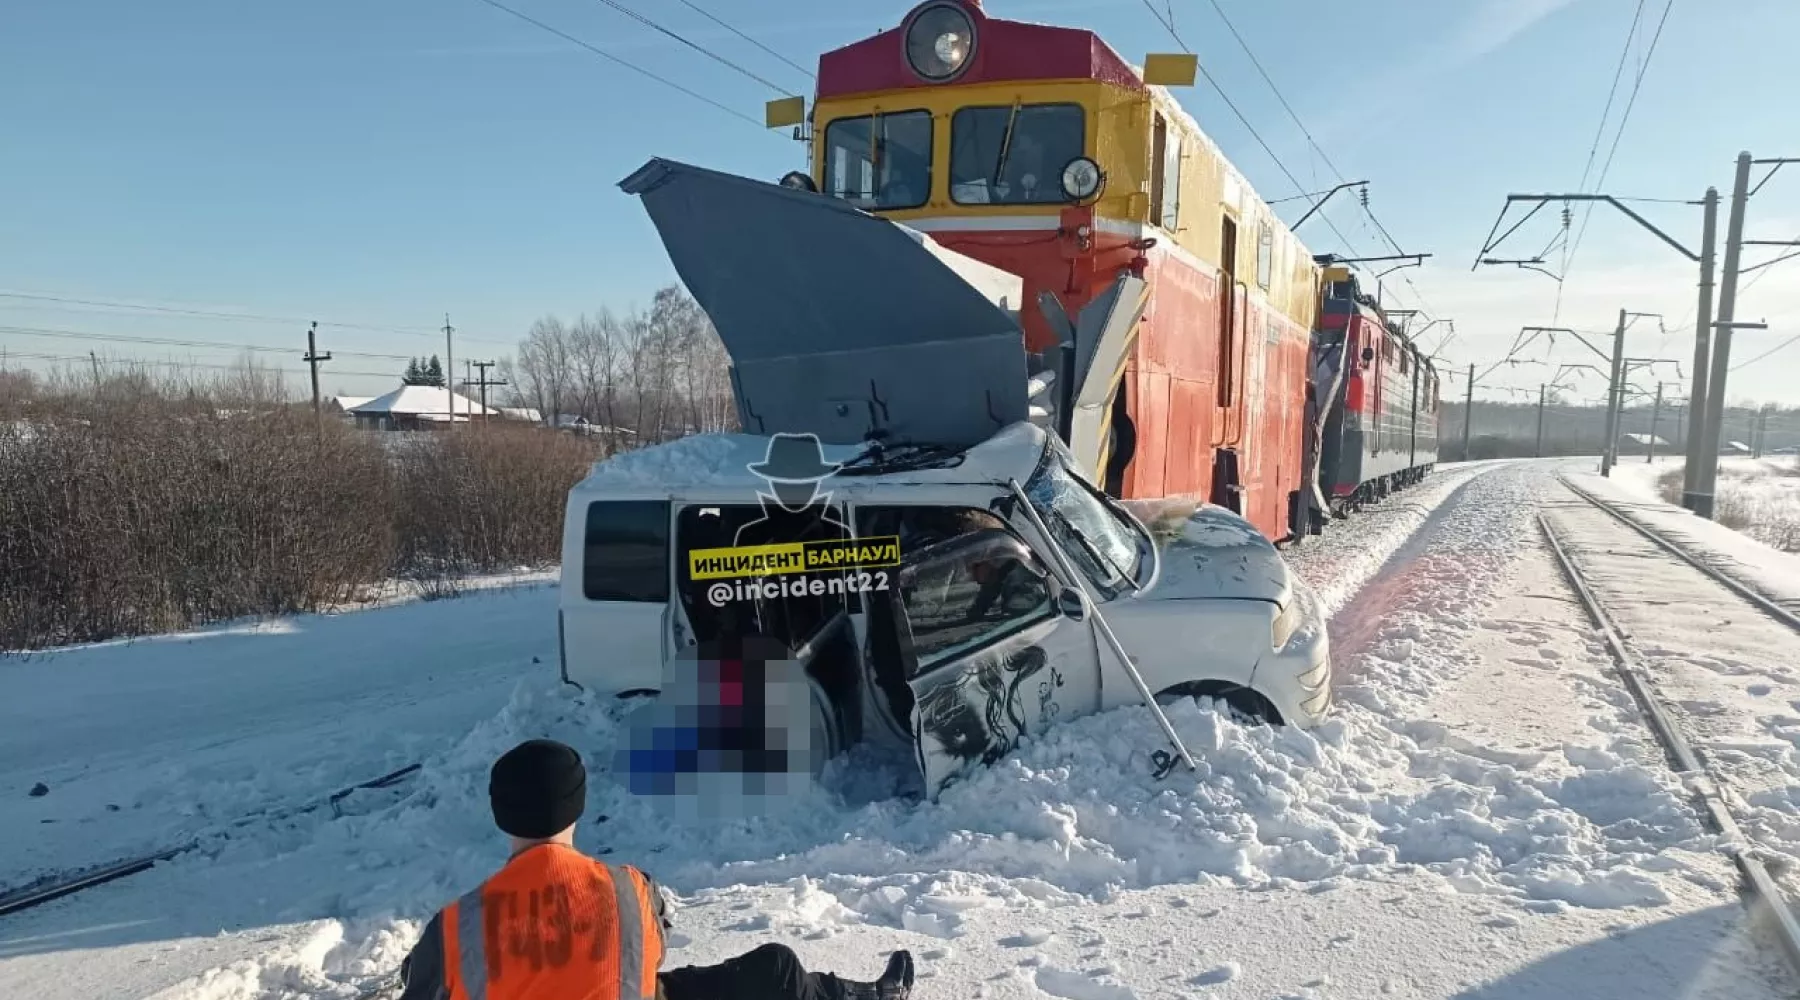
{"points": [[1246, 707]]}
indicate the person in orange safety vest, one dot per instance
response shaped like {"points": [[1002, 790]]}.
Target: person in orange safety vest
{"points": [[555, 924]]}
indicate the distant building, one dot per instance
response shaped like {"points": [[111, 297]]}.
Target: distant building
{"points": [[342, 405], [417, 407], [527, 414]]}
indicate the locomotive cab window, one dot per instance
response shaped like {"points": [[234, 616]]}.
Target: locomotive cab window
{"points": [[1014, 154], [880, 161]]}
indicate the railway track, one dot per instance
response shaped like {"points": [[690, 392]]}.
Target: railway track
{"points": [[67, 883], [1768, 606], [1764, 896]]}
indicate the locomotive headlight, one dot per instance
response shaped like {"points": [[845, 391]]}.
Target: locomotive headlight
{"points": [[1080, 179], [939, 41]]}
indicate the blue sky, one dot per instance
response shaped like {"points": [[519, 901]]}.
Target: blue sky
{"points": [[387, 161]]}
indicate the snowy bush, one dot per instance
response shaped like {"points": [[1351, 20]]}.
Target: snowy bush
{"points": [[1759, 497], [131, 510]]}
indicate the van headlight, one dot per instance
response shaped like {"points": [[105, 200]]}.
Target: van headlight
{"points": [[1286, 623]]}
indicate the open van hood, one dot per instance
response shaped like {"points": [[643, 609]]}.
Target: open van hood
{"points": [[838, 322]]}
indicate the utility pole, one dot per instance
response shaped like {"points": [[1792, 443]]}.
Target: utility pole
{"points": [[1721, 359], [1542, 389], [1615, 397], [1655, 413], [1762, 431], [449, 366], [1709, 233], [312, 359], [1468, 412], [483, 383]]}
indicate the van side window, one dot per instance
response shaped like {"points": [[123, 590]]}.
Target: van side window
{"points": [[626, 553], [965, 592]]}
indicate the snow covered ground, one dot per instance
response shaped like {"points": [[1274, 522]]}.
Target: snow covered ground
{"points": [[1486, 816], [141, 744]]}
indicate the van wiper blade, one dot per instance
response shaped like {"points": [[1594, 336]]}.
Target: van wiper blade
{"points": [[880, 461]]}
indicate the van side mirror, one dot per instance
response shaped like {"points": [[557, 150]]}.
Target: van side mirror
{"points": [[1072, 605]]}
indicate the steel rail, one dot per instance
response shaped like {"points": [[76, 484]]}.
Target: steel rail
{"points": [[1768, 606], [56, 886], [1696, 775]]}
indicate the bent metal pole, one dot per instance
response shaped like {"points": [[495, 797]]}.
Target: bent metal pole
{"points": [[1118, 648]]}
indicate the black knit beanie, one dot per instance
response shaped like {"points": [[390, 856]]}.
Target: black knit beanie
{"points": [[538, 789]]}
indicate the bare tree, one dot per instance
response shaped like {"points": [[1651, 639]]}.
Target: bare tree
{"points": [[543, 366]]}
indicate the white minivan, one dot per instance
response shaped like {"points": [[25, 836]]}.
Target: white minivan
{"points": [[985, 630]]}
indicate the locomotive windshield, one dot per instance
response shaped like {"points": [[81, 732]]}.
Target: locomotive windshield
{"points": [[880, 161], [1014, 154]]}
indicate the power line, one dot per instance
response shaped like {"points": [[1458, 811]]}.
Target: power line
{"points": [[29, 331], [33, 356], [714, 19], [1778, 347], [696, 46], [602, 53], [214, 314]]}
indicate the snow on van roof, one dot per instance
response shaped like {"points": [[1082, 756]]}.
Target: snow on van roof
{"points": [[723, 460]]}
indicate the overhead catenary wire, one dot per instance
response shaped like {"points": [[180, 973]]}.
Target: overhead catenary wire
{"points": [[714, 18], [1587, 170], [634, 67], [696, 46], [1637, 84], [1314, 143], [1245, 121]]}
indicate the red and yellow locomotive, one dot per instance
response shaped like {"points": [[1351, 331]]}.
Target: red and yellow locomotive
{"points": [[1039, 150]]}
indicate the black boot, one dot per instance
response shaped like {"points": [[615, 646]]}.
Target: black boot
{"points": [[894, 984]]}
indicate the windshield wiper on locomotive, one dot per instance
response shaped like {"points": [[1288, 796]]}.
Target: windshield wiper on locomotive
{"points": [[1012, 118]]}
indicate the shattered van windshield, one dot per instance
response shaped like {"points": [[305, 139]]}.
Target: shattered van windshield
{"points": [[1094, 538]]}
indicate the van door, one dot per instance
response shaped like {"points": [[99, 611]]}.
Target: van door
{"points": [[990, 651], [613, 626]]}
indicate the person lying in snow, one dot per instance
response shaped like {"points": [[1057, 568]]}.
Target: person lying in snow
{"points": [[555, 924]]}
